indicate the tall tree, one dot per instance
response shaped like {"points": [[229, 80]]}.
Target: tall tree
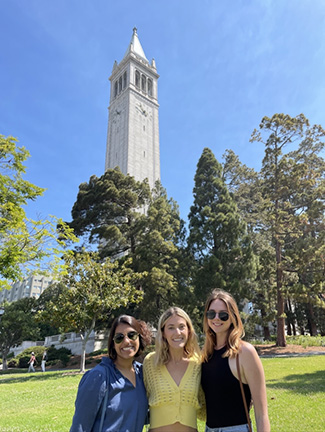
{"points": [[25, 244], [108, 210], [305, 255], [244, 183], [157, 253], [217, 235], [88, 292], [282, 193], [17, 323]]}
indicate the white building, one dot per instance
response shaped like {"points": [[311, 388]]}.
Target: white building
{"points": [[133, 127], [31, 286]]}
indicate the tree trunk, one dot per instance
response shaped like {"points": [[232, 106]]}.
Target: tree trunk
{"points": [[83, 354], [266, 330], [4, 361], [293, 325], [281, 338], [267, 334], [311, 320], [289, 332], [85, 338], [289, 317]]}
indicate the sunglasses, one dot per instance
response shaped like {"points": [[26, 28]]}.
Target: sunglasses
{"points": [[211, 314], [119, 337]]}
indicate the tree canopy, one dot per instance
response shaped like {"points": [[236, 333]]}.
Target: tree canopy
{"points": [[106, 212], [217, 233], [293, 197], [17, 323], [25, 244], [87, 292]]}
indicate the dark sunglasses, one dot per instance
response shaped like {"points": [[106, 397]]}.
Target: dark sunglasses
{"points": [[119, 337], [211, 314]]}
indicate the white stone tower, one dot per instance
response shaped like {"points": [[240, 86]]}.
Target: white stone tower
{"points": [[133, 129]]}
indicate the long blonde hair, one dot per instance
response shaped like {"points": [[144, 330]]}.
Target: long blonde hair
{"points": [[236, 329], [191, 349]]}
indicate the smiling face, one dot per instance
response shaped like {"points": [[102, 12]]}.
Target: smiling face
{"points": [[216, 324], [128, 347], [176, 332]]}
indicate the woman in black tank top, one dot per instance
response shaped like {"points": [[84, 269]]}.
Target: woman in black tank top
{"points": [[225, 408]]}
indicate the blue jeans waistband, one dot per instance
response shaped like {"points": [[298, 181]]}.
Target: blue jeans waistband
{"points": [[237, 428]]}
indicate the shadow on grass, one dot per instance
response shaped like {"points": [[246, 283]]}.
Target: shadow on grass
{"points": [[38, 376], [302, 383]]}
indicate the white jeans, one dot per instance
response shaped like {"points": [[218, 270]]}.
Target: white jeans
{"points": [[43, 365]]}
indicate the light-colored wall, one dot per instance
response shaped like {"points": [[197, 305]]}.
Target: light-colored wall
{"points": [[71, 341]]}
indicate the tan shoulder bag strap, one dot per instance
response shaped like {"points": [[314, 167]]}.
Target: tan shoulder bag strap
{"points": [[243, 394]]}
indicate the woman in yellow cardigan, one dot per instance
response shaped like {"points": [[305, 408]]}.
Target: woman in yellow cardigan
{"points": [[172, 374]]}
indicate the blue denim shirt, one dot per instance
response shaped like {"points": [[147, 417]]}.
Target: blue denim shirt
{"points": [[127, 406]]}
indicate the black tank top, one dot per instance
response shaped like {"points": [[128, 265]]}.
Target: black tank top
{"points": [[224, 401]]}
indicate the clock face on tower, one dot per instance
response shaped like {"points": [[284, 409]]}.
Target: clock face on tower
{"points": [[116, 114], [141, 109]]}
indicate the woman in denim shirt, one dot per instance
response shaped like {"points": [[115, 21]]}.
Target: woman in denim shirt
{"points": [[111, 397]]}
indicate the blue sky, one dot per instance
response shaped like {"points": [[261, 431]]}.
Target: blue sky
{"points": [[223, 65]]}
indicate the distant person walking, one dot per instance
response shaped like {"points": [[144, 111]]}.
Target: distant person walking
{"points": [[44, 360], [31, 363]]}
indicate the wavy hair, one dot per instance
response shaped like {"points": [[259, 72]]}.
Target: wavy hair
{"points": [[236, 329], [139, 326], [191, 349]]}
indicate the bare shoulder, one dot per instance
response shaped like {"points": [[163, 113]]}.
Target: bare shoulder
{"points": [[248, 352], [246, 347]]}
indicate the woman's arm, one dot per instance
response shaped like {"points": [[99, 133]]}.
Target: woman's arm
{"points": [[253, 374], [147, 373], [90, 395]]}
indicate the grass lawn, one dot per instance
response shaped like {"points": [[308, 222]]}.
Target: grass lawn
{"points": [[45, 402]]}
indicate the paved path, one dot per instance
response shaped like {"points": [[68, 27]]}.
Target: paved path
{"points": [[310, 353]]}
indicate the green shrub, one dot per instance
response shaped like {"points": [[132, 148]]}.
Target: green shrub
{"points": [[306, 340], [13, 363], [23, 357], [98, 352], [23, 361], [54, 354], [303, 340], [59, 357]]}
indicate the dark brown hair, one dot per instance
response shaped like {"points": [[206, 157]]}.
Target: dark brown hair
{"points": [[139, 326]]}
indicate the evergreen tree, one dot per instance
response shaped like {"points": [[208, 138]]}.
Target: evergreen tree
{"points": [[217, 235], [157, 254], [284, 196], [244, 183], [108, 212], [305, 255], [17, 324]]}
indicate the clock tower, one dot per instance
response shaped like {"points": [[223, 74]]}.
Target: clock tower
{"points": [[133, 128]]}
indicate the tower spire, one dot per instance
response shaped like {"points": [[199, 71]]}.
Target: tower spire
{"points": [[135, 46]]}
